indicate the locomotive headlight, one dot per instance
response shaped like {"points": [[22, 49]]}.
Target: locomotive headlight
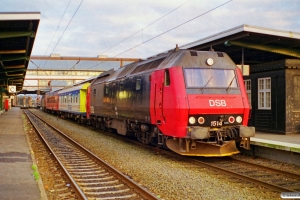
{"points": [[192, 120], [231, 119], [210, 61], [201, 120], [239, 119]]}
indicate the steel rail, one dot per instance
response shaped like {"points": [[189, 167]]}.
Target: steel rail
{"points": [[297, 176], [245, 177], [140, 190], [78, 191]]}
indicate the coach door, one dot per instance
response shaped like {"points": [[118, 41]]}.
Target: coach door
{"points": [[156, 97]]}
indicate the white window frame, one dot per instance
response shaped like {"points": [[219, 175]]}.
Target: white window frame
{"points": [[247, 83], [264, 93]]}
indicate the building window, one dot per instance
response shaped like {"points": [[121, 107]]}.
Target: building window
{"points": [[264, 93], [248, 89]]}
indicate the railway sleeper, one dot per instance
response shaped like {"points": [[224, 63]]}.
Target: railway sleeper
{"points": [[86, 188], [110, 192], [102, 183]]}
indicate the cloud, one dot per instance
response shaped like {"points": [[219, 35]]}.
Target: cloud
{"points": [[99, 25]]}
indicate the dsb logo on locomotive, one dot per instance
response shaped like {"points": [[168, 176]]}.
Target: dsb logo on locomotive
{"points": [[217, 102]]}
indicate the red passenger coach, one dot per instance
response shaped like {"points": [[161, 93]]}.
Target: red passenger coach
{"points": [[193, 102], [51, 101]]}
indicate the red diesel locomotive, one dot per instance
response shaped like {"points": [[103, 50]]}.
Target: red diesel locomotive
{"points": [[193, 102]]}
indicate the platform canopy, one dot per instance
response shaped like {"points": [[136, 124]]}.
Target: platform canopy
{"points": [[251, 45], [17, 34]]}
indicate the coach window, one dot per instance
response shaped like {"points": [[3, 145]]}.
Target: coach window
{"points": [[138, 84], [167, 78], [94, 92]]}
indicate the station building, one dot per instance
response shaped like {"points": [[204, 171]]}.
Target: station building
{"points": [[270, 61]]}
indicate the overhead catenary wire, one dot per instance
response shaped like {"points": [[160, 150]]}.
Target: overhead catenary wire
{"points": [[173, 28], [145, 27], [58, 26], [67, 26], [55, 33], [143, 42]]}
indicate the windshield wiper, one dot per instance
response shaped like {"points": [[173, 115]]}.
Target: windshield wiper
{"points": [[230, 84], [206, 84]]}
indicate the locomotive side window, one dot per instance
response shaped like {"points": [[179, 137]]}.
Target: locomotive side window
{"points": [[210, 78], [121, 86], [138, 84], [167, 78], [106, 90]]}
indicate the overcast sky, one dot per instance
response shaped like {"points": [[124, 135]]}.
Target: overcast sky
{"points": [[97, 27]]}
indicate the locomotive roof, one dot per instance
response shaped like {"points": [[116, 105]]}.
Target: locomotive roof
{"points": [[187, 58], [184, 58]]}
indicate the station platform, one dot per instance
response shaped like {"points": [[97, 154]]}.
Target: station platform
{"points": [[16, 174], [289, 142]]}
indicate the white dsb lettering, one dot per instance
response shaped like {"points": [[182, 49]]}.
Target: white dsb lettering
{"points": [[217, 102]]}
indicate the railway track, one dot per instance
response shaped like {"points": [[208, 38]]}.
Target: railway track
{"points": [[253, 174], [271, 178], [90, 177]]}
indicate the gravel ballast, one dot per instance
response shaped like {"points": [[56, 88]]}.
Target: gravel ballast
{"points": [[166, 177]]}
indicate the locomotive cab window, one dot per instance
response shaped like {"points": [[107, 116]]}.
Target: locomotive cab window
{"points": [[167, 78], [210, 78], [138, 84]]}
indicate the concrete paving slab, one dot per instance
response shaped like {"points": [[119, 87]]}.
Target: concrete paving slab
{"points": [[16, 175]]}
